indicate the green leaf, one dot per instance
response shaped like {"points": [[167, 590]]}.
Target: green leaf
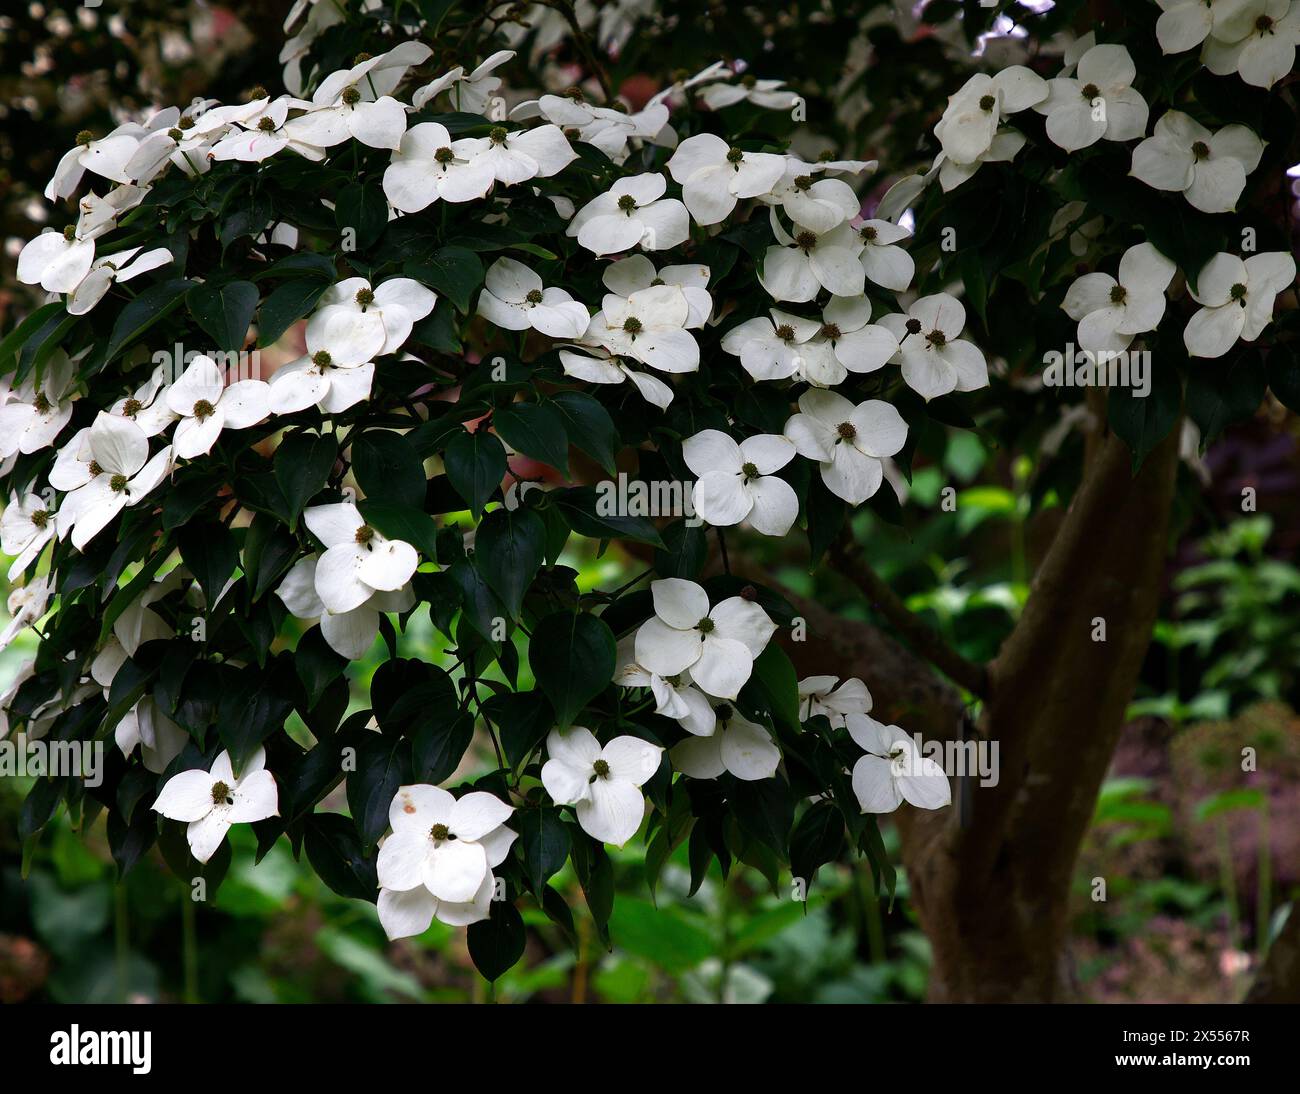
{"points": [[544, 840], [335, 853], [685, 551], [536, 430], [509, 548], [589, 427], [383, 764], [317, 664], [817, 839], [594, 513], [15, 339], [496, 943], [1283, 375], [1225, 391], [150, 307], [363, 208], [403, 522], [285, 305], [522, 719], [303, 463], [455, 272], [776, 680], [387, 467], [765, 810], [1142, 423], [208, 551], [439, 745], [476, 464], [224, 312], [572, 656]]}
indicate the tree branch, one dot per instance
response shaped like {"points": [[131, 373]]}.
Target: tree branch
{"points": [[846, 558]]}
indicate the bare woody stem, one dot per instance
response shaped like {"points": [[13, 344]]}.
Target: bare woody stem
{"points": [[846, 558]]}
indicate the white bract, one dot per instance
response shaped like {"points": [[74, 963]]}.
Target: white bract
{"points": [[468, 93], [893, 771], [1099, 102], [738, 482], [209, 802], [848, 442], [974, 114], [1110, 311], [351, 633], [632, 213], [649, 326], [39, 411], [636, 272], [1266, 52], [935, 359], [428, 165], [818, 204], [524, 154], [676, 697], [26, 604], [114, 269], [106, 157], [513, 298], [315, 380], [602, 783], [26, 526], [1184, 24], [359, 561], [714, 175], [737, 746], [819, 695], [768, 94], [598, 366], [1236, 300], [717, 644], [1209, 169], [355, 323], [884, 262], [206, 406], [801, 265], [123, 474]]}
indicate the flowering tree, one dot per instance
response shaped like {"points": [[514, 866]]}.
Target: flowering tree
{"points": [[516, 311]]}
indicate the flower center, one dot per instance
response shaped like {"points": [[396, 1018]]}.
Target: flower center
{"points": [[937, 338], [1264, 24], [846, 430], [444, 156], [70, 233], [440, 832], [831, 331], [1238, 292], [785, 332], [266, 125], [574, 93], [868, 233], [803, 182], [255, 93], [705, 625], [1118, 294], [749, 470], [40, 518], [117, 484], [723, 712], [497, 134], [571, 134], [749, 82], [1091, 91], [913, 326], [601, 768], [186, 122], [364, 535], [987, 103], [365, 297], [806, 241], [1201, 150], [627, 203], [176, 134], [351, 96], [94, 468], [321, 358], [534, 296], [658, 281], [85, 137], [221, 794], [132, 407], [41, 403], [361, 58], [203, 409], [632, 325], [735, 156]]}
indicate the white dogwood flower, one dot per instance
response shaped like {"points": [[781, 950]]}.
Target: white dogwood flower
{"points": [[736, 482], [636, 272], [976, 111], [1184, 24], [355, 323], [819, 204], [1266, 52], [123, 475], [1098, 102], [435, 841], [26, 526], [470, 93], [1112, 311], [649, 326], [893, 771], [599, 366], [799, 266], [349, 634], [25, 604], [159, 739], [1236, 300], [631, 213], [206, 406], [515, 157], [38, 412], [1209, 169], [676, 697], [715, 175], [315, 380], [848, 442], [1004, 147], [211, 801], [428, 166], [884, 262], [602, 783], [737, 746], [359, 561], [717, 644], [935, 359], [106, 157], [768, 94], [513, 298], [775, 348], [113, 269], [258, 134], [819, 695]]}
